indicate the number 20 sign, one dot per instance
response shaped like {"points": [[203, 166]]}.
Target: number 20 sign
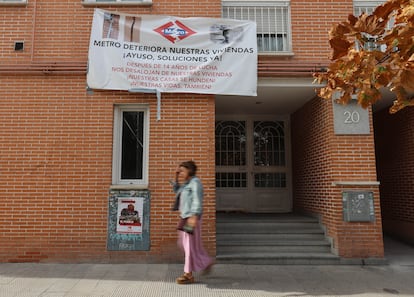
{"points": [[350, 118]]}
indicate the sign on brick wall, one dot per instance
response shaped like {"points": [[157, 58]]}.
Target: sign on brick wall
{"points": [[128, 221], [171, 54], [350, 118]]}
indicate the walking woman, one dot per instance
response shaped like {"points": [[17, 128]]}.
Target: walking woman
{"points": [[189, 201]]}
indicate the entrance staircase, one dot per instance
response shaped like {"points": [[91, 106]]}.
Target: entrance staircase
{"points": [[272, 239]]}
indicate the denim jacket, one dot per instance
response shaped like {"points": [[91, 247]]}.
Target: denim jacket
{"points": [[189, 197]]}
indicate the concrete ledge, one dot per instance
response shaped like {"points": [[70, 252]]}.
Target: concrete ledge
{"points": [[13, 3], [112, 3], [355, 183]]}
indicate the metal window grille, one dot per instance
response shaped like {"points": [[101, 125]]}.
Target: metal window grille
{"points": [[365, 6], [231, 180], [230, 143], [269, 144], [270, 180], [368, 7], [272, 19]]}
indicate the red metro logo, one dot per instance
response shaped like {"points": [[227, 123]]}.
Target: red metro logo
{"points": [[174, 31]]}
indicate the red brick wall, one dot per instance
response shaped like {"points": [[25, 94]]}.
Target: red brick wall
{"points": [[311, 22], [56, 159], [59, 30], [321, 158], [56, 148], [394, 139]]}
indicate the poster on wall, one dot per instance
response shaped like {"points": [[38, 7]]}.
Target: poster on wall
{"points": [[172, 54], [130, 211], [128, 220]]}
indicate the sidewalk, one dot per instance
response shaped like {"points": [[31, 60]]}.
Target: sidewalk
{"points": [[145, 280]]}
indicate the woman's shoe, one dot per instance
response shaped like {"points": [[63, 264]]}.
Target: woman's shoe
{"points": [[185, 279]]}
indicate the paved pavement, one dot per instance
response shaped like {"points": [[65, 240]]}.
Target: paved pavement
{"points": [[226, 280]]}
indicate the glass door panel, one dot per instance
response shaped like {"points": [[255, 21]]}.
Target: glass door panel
{"points": [[230, 143], [251, 166], [231, 165], [269, 143]]}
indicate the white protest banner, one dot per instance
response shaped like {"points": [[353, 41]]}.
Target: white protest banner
{"points": [[171, 54]]}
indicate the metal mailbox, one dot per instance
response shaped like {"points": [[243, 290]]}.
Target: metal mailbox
{"points": [[358, 206]]}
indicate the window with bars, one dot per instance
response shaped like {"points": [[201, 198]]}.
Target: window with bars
{"points": [[368, 7], [365, 6], [230, 143], [269, 143], [272, 19]]}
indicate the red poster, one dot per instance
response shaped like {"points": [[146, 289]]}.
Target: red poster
{"points": [[129, 218]]}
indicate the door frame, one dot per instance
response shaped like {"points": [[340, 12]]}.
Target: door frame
{"points": [[241, 193]]}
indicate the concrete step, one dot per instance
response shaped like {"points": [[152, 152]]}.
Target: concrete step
{"points": [[273, 249], [279, 258], [272, 239], [275, 236], [240, 217], [267, 242], [267, 229]]}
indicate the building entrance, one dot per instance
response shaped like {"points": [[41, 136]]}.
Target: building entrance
{"points": [[253, 165]]}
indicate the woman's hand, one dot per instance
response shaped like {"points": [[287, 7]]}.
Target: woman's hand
{"points": [[192, 221]]}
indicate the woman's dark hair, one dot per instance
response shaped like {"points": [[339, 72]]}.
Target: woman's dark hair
{"points": [[191, 166]]}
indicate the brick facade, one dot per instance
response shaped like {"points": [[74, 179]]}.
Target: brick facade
{"points": [[316, 19], [57, 140], [57, 151], [321, 161]]}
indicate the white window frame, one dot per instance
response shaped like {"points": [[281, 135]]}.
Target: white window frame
{"points": [[363, 5], [14, 2], [116, 2], [117, 149], [274, 3]]}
